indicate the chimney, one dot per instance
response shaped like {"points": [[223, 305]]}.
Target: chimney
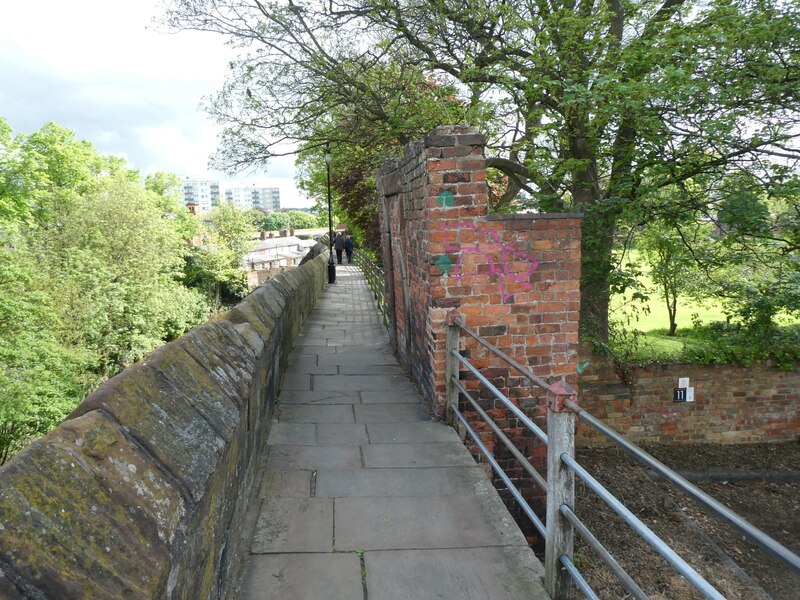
{"points": [[192, 206], [264, 235], [291, 231], [283, 233], [271, 235]]}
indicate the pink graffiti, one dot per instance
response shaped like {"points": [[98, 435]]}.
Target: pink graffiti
{"points": [[507, 253]]}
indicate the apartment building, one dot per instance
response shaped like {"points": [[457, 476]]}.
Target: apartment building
{"points": [[254, 197], [204, 193]]}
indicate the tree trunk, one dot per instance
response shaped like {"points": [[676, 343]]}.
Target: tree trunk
{"points": [[596, 244], [598, 233], [672, 310]]}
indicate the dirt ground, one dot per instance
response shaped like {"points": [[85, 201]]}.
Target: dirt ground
{"points": [[737, 568]]}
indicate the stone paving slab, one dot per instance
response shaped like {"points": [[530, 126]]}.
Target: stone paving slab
{"points": [[410, 433], [342, 434], [320, 397], [391, 413], [370, 370], [403, 523], [328, 413], [293, 525], [315, 457], [362, 357], [304, 577], [298, 434], [302, 362], [286, 484], [405, 395], [415, 455], [501, 573], [317, 348], [295, 381], [444, 481], [358, 383]]}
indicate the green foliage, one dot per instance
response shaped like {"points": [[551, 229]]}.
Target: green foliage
{"points": [[119, 264], [712, 344], [91, 275], [41, 378], [671, 264], [275, 221], [216, 268], [292, 219], [592, 108]]}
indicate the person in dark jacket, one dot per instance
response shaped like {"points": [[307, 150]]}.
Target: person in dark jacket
{"points": [[348, 248], [338, 245]]}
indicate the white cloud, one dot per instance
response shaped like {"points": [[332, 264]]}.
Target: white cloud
{"points": [[105, 70]]}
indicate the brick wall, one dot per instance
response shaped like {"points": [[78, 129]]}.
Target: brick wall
{"points": [[513, 279], [733, 405]]}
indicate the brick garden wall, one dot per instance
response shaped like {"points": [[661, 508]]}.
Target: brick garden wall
{"points": [[513, 279], [733, 405]]}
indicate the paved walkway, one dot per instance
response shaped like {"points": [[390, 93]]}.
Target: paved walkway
{"points": [[364, 497]]}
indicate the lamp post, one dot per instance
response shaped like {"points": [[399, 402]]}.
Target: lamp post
{"points": [[331, 263]]}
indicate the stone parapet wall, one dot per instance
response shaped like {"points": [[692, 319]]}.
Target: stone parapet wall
{"points": [[733, 404], [141, 492]]}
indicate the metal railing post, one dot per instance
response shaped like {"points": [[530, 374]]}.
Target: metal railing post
{"points": [[452, 365], [560, 488]]}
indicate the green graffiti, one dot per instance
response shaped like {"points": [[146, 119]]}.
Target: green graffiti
{"points": [[445, 198], [444, 264]]}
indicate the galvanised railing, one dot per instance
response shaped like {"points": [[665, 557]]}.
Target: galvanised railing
{"points": [[561, 521], [375, 280]]}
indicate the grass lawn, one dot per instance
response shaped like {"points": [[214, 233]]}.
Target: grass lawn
{"points": [[653, 314], [651, 320]]}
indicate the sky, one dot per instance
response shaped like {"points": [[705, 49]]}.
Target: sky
{"points": [[104, 69]]}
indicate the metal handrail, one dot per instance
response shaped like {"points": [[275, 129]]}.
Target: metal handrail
{"points": [[692, 576], [540, 481], [582, 584], [625, 579], [537, 431], [538, 381], [502, 474], [719, 510], [375, 280], [655, 542]]}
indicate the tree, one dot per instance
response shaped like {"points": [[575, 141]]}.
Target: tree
{"points": [[603, 103], [217, 267], [672, 267], [167, 195], [41, 378], [91, 275], [275, 221], [119, 265], [301, 79], [753, 266]]}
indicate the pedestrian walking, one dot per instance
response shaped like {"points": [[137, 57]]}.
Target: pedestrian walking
{"points": [[348, 248], [338, 245]]}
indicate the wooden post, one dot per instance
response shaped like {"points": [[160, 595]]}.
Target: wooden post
{"points": [[560, 488], [452, 366]]}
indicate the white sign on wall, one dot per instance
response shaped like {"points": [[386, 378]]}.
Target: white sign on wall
{"points": [[683, 393]]}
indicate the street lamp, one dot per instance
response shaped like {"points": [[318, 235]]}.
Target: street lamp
{"points": [[331, 263]]}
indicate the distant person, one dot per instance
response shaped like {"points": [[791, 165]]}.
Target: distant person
{"points": [[338, 245], [348, 248]]}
